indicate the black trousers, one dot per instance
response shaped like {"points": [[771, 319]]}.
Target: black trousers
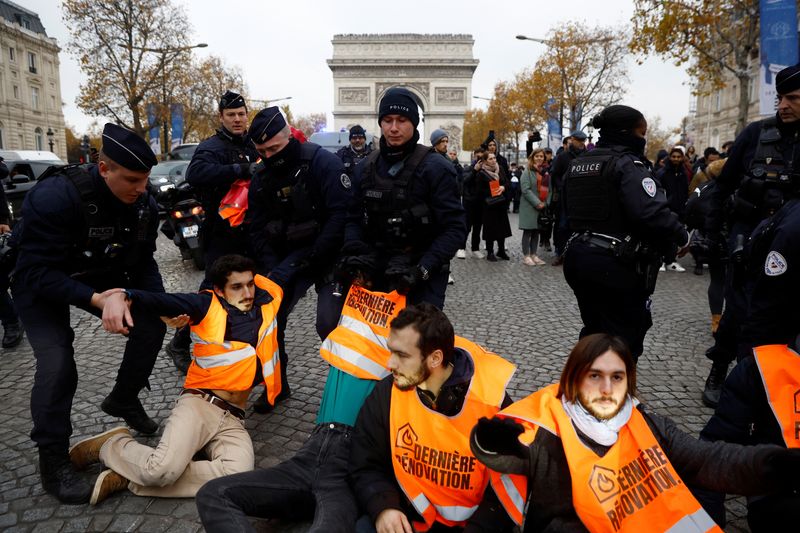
{"points": [[56, 379], [612, 297]]}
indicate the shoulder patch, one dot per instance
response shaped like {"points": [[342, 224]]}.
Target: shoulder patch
{"points": [[345, 180], [637, 162], [775, 264], [649, 186]]}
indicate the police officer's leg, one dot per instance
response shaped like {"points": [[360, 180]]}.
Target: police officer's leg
{"points": [[54, 385], [329, 309], [144, 343]]}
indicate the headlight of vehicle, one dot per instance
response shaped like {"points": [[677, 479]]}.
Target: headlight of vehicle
{"points": [[162, 180], [166, 187]]}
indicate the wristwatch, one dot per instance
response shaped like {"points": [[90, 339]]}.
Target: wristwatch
{"points": [[423, 272]]}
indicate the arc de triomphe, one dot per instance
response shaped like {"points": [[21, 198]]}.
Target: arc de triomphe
{"points": [[438, 68]]}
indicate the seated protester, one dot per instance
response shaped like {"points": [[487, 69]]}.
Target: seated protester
{"points": [[410, 462], [605, 463], [305, 488], [235, 348]]}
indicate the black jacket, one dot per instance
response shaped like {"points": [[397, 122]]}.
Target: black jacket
{"points": [[676, 184], [371, 474], [559, 168]]}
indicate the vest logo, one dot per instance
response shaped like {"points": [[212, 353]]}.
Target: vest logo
{"points": [[775, 264], [406, 437], [345, 179], [649, 187], [101, 233], [373, 194], [375, 309], [586, 169], [603, 483]]}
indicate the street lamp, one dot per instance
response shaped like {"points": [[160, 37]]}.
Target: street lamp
{"points": [[50, 138], [162, 66]]}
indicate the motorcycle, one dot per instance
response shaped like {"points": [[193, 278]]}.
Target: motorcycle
{"points": [[185, 215]]}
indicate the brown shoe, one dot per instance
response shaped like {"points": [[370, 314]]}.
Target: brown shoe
{"points": [[108, 482], [87, 451]]}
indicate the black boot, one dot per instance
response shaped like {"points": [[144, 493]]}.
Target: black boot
{"points": [[59, 477], [262, 405], [714, 382], [12, 335], [124, 403], [179, 349]]}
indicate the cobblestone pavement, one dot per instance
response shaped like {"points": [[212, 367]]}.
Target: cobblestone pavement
{"points": [[527, 314]]}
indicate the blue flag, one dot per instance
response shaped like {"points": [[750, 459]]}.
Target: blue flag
{"points": [[778, 48]]}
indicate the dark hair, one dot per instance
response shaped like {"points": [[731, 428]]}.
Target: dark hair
{"points": [[548, 150], [710, 151], [223, 267], [434, 328], [583, 355]]}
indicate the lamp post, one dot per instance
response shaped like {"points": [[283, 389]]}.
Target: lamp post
{"points": [[162, 66], [50, 138]]}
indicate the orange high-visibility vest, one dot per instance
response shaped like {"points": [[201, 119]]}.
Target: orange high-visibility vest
{"points": [[358, 345], [780, 371], [431, 456], [231, 365], [632, 488]]}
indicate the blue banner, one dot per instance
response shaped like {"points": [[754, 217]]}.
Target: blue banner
{"points": [[152, 122], [176, 111], [778, 48], [553, 124]]}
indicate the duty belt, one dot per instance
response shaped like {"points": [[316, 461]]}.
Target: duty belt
{"points": [[213, 399], [600, 240]]}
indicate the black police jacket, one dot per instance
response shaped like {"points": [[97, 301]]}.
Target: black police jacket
{"points": [[54, 229], [351, 159], [738, 162], [330, 191], [216, 164], [433, 184]]}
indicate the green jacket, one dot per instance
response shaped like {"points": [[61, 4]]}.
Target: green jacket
{"points": [[528, 212]]}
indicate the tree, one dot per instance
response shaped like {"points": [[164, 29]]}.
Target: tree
{"points": [[476, 126], [584, 69], [310, 123], [714, 36], [659, 138], [117, 44]]}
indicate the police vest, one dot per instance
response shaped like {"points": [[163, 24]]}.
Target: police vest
{"points": [[294, 218], [358, 344], [592, 193], [350, 158], [110, 240], [431, 456], [780, 372], [632, 488], [231, 365], [771, 178], [391, 220]]}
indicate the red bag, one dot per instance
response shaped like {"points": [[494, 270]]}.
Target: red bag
{"points": [[234, 204]]}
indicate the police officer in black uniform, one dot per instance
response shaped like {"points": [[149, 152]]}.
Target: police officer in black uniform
{"points": [[218, 161], [297, 209], [12, 329], [356, 151], [762, 171], [84, 232], [621, 224], [407, 221]]}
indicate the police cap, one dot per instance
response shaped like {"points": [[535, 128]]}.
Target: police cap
{"points": [[127, 149], [266, 124], [618, 118], [788, 80], [231, 100]]}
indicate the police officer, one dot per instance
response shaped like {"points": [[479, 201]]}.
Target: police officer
{"points": [[620, 223], [356, 151], [83, 233], [297, 209], [218, 161], [12, 329], [762, 169], [407, 221]]}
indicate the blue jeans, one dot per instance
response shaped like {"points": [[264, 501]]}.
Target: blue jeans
{"points": [[313, 483]]}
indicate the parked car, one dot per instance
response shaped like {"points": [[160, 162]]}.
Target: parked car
{"points": [[183, 152], [165, 176], [333, 140], [24, 168]]}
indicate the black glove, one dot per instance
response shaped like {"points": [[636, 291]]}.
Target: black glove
{"points": [[401, 274], [304, 264], [783, 466], [500, 436], [247, 171], [356, 248]]}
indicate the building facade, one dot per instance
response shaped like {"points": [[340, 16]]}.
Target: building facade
{"points": [[438, 69], [31, 116]]}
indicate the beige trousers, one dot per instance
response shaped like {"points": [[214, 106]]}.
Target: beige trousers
{"points": [[168, 470]]}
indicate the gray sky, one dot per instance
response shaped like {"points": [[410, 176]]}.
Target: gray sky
{"points": [[281, 47]]}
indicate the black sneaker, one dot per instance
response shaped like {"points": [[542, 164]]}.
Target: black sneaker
{"points": [[132, 412], [714, 382], [12, 335], [503, 256], [698, 269], [60, 479], [491, 257]]}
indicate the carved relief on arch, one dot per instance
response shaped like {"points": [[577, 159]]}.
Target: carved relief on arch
{"points": [[454, 136], [421, 89]]}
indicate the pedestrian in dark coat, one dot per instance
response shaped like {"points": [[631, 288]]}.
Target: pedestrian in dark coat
{"points": [[496, 193]]}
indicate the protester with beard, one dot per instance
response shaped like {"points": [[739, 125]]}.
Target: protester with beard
{"points": [[494, 187], [674, 178], [297, 209]]}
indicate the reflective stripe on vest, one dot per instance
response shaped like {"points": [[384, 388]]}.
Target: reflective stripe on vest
{"points": [[431, 457], [632, 488], [359, 343], [231, 365], [779, 367]]}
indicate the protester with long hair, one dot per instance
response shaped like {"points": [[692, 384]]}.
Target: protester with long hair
{"points": [[494, 184], [535, 187]]}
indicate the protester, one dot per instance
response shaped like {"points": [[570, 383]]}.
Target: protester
{"points": [[494, 190], [534, 201]]}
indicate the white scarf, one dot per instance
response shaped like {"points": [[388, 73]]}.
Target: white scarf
{"points": [[603, 432]]}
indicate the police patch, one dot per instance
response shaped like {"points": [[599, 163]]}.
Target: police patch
{"points": [[649, 187], [345, 179], [775, 265]]}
